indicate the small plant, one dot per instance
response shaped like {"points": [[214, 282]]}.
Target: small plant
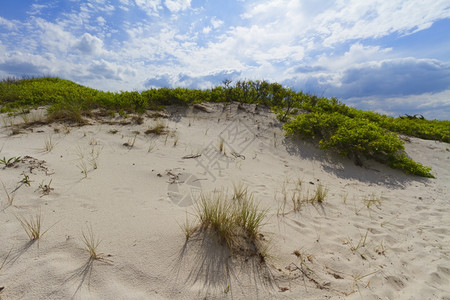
{"points": [[175, 141], [32, 226], [45, 188], [94, 164], [131, 141], [321, 194], [372, 200], [10, 162], [361, 243], [91, 242], [25, 179], [344, 198], [49, 144], [83, 168], [357, 278], [113, 131], [93, 142], [151, 147], [221, 147]]}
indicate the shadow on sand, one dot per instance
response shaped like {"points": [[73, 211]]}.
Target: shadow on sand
{"points": [[371, 171], [210, 268]]}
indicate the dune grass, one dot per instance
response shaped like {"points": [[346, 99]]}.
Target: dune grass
{"points": [[298, 195], [33, 226], [236, 220], [91, 242]]}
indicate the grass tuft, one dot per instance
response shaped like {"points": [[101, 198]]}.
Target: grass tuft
{"points": [[32, 226], [49, 144], [236, 220], [321, 194], [91, 242], [159, 128]]}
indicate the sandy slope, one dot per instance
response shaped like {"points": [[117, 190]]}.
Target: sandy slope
{"points": [[137, 196]]}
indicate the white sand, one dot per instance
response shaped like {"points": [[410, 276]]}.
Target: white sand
{"points": [[135, 200]]}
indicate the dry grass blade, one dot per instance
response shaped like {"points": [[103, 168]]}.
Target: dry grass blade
{"points": [[10, 197]]}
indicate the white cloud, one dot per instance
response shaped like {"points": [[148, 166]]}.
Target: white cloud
{"points": [[177, 5], [53, 36], [216, 23], [206, 30], [88, 44], [36, 9], [357, 53], [150, 7], [10, 25], [101, 21], [354, 19]]}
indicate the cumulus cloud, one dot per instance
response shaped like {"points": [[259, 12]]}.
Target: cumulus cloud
{"points": [[88, 44], [102, 70]]}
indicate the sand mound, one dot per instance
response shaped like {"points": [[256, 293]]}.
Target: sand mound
{"points": [[379, 234]]}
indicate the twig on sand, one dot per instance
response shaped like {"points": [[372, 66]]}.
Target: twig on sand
{"points": [[191, 156]]}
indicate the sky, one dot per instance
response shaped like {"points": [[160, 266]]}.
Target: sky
{"points": [[390, 56]]}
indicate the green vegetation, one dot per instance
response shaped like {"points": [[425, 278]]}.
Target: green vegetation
{"points": [[351, 132], [10, 162]]}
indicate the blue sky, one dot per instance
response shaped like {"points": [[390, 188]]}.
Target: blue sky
{"points": [[391, 56]]}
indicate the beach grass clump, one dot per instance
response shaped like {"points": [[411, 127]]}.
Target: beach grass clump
{"points": [[49, 145], [159, 128], [236, 221], [321, 194], [32, 226], [91, 242]]}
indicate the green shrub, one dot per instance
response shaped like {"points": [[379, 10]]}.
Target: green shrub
{"points": [[355, 137]]}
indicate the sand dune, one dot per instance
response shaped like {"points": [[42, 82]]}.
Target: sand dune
{"points": [[380, 234]]}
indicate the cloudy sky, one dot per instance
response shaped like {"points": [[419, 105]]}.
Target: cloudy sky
{"points": [[392, 56]]}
